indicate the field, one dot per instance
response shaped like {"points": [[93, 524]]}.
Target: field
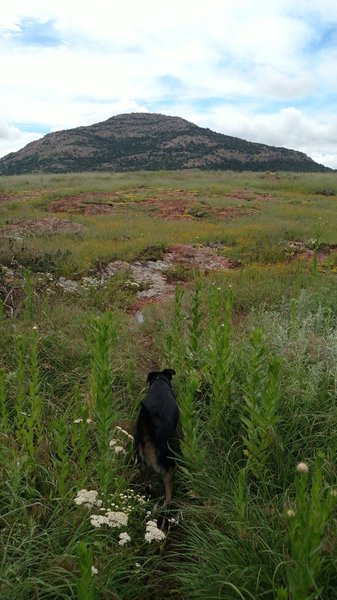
{"points": [[230, 279]]}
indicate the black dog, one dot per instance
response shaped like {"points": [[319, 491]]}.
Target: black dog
{"points": [[156, 426]]}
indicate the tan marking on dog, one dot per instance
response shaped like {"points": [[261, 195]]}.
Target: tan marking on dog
{"points": [[148, 454]]}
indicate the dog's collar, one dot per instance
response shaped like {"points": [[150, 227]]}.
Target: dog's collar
{"points": [[162, 377]]}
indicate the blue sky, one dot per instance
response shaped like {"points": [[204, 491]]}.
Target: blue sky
{"points": [[263, 71]]}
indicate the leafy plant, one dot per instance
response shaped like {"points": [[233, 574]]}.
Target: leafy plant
{"points": [[261, 402], [307, 522]]}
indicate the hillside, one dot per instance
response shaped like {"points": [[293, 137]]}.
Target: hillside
{"points": [[145, 141]]}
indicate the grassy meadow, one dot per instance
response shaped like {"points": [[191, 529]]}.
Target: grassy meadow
{"points": [[255, 353]]}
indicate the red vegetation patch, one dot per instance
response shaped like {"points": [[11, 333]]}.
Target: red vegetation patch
{"points": [[169, 204], [298, 249], [20, 196], [248, 196], [198, 257], [40, 227], [90, 203]]}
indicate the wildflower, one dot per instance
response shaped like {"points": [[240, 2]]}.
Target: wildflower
{"points": [[34, 327], [78, 421], [88, 498], [302, 467], [333, 492], [137, 565], [290, 513], [94, 571], [124, 432], [112, 443], [124, 538], [119, 450], [153, 532], [116, 518], [99, 520], [89, 421]]}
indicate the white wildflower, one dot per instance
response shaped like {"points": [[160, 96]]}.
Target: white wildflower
{"points": [[152, 523], [124, 538], [137, 565], [99, 520], [78, 421], [89, 421], [88, 498], [291, 513], [302, 467], [119, 450], [94, 571], [153, 533], [124, 432], [116, 518], [34, 327], [112, 443]]}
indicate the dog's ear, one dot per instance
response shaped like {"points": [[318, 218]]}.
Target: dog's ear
{"points": [[151, 376], [169, 373]]}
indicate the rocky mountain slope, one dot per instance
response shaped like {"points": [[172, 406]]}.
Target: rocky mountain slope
{"points": [[146, 141]]}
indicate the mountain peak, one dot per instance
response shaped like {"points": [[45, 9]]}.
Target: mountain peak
{"points": [[149, 141]]}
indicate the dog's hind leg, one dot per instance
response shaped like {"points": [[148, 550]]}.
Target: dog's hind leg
{"points": [[168, 483], [163, 522]]}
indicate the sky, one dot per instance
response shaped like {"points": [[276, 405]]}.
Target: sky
{"points": [[261, 70]]}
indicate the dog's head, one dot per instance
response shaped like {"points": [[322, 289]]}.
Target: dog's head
{"points": [[165, 374]]}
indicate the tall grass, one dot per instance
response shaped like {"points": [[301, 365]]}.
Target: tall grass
{"points": [[258, 529]]}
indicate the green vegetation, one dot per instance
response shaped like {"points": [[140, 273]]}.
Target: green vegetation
{"points": [[255, 353]]}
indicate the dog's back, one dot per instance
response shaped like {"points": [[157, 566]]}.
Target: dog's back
{"points": [[156, 426]]}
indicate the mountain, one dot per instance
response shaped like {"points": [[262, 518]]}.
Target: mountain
{"points": [[146, 141]]}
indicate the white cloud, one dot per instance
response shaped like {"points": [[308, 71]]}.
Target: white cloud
{"points": [[288, 127], [13, 144], [8, 132]]}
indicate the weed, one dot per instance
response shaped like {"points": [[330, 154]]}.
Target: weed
{"points": [[307, 522], [261, 403]]}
